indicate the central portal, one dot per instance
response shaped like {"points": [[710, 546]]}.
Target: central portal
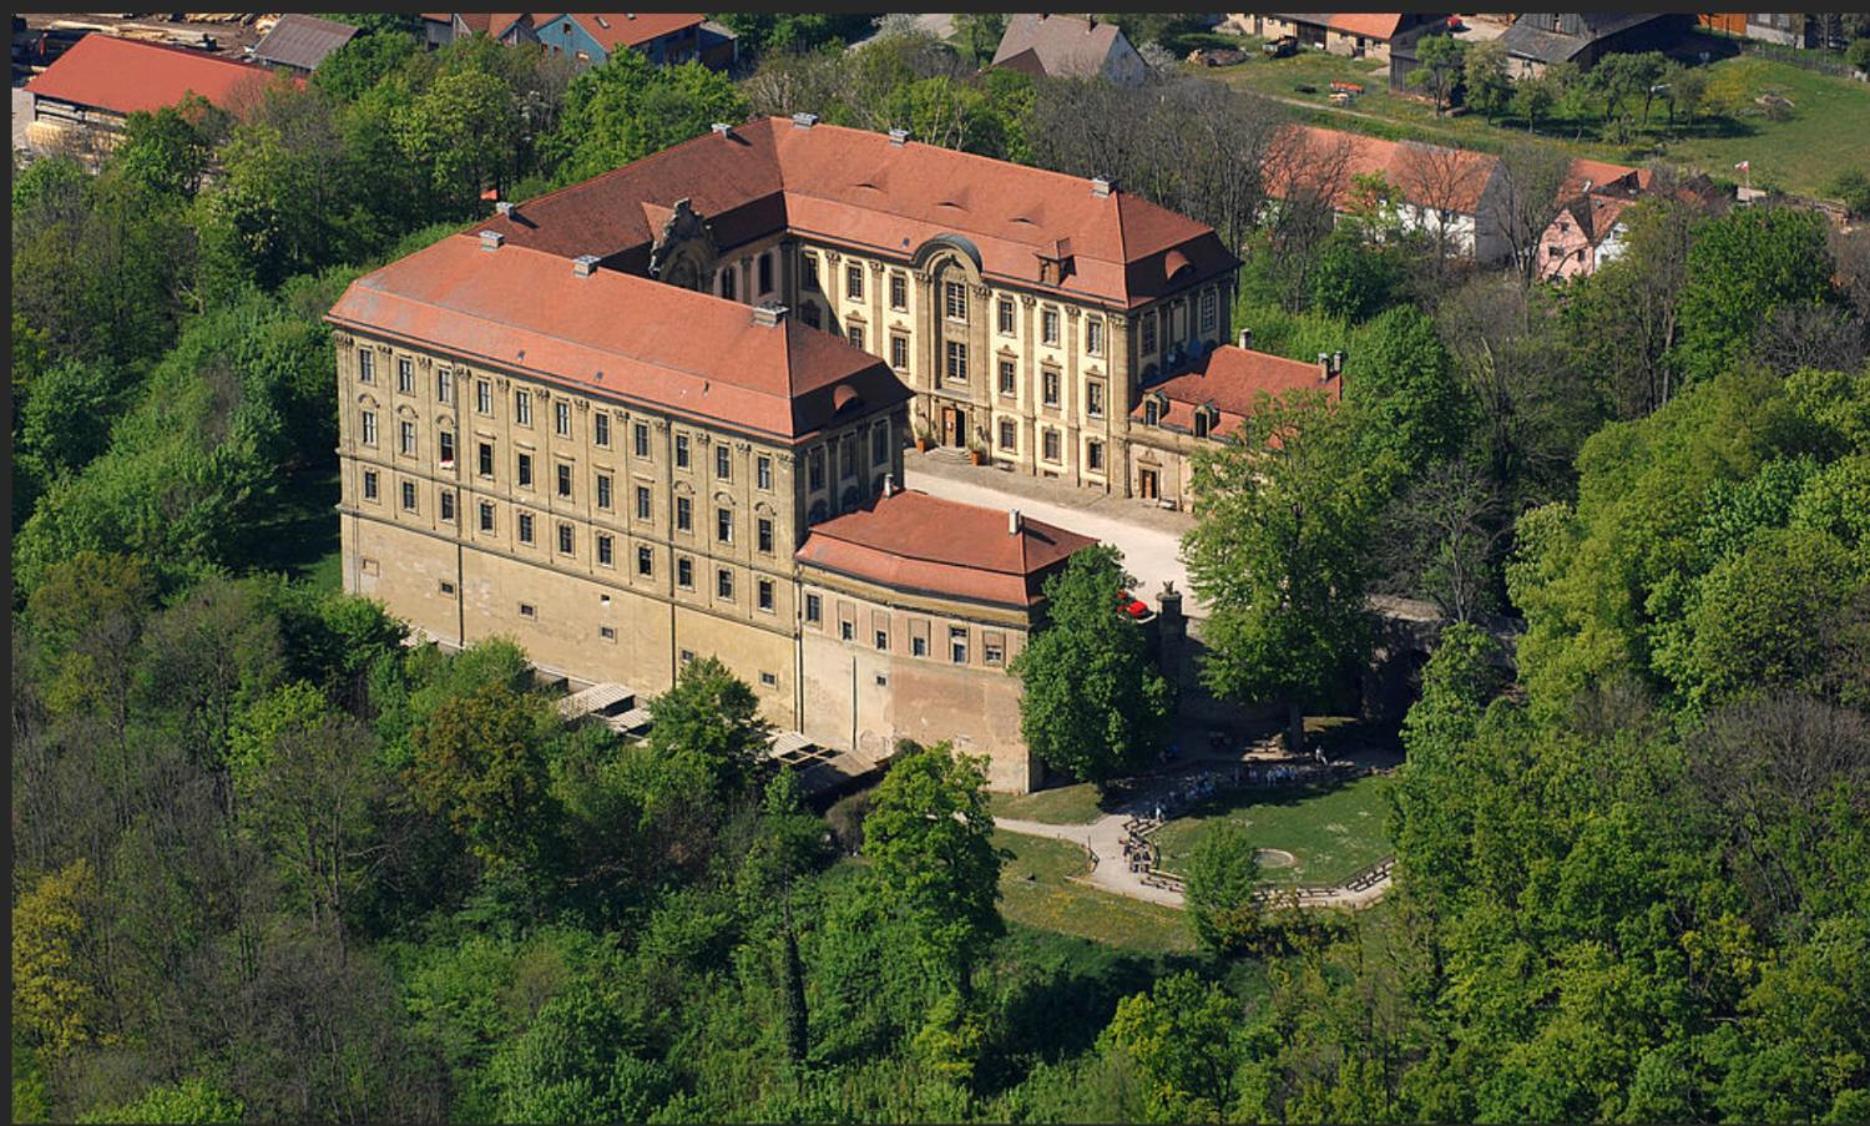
{"points": [[953, 426]]}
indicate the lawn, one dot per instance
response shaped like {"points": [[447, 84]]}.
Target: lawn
{"points": [[1331, 833], [1036, 891], [1801, 153], [1060, 805]]}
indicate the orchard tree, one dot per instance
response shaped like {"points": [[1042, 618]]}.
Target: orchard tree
{"points": [[1741, 269], [1093, 704], [1279, 552], [1441, 60]]}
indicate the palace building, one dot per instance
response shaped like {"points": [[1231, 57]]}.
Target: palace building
{"points": [[623, 475], [1023, 308]]}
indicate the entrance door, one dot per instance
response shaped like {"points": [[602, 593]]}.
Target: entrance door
{"points": [[954, 426], [1146, 484]]}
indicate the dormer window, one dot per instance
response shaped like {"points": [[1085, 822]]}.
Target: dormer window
{"points": [[1152, 413], [1204, 421]]}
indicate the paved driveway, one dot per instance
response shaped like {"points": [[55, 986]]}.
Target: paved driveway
{"points": [[1149, 537]]}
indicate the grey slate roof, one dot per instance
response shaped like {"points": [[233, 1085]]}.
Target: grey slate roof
{"points": [[302, 41], [1532, 37]]}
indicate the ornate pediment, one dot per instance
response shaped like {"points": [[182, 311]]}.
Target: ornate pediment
{"points": [[684, 252]]}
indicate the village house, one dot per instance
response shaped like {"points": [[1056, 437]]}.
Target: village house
{"points": [[1537, 40], [624, 475], [1207, 404], [81, 101], [1022, 307], [591, 38], [1357, 35], [1053, 46]]}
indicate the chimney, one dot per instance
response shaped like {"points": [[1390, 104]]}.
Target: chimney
{"points": [[584, 265], [889, 484], [1246, 338], [769, 315], [723, 129], [1100, 186], [504, 207], [898, 137], [1324, 366], [1012, 522], [1337, 362], [804, 120], [491, 240]]}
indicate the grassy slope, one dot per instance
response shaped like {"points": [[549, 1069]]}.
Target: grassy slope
{"points": [[1037, 892], [1061, 805], [1828, 130], [1333, 834]]}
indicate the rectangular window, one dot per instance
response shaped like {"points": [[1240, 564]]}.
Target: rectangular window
{"points": [[847, 458], [899, 353], [685, 573], [854, 282], [724, 525], [366, 366], [446, 506], [644, 510], [564, 480], [808, 270], [728, 279], [600, 429], [525, 527], [1094, 399], [688, 655], [681, 451], [855, 334], [1094, 455], [957, 644], [769, 680], [603, 491], [723, 462], [883, 640], [766, 535], [639, 437], [484, 459], [369, 433], [1009, 379], [918, 646], [447, 448], [815, 468], [561, 418], [604, 550], [684, 514], [847, 631], [1209, 306], [810, 315], [880, 445], [1005, 314], [1009, 434], [957, 362], [486, 516], [1202, 423], [814, 609], [899, 292], [409, 496], [1049, 388], [645, 562], [1146, 335], [608, 633], [406, 438], [763, 472], [1051, 445], [444, 387], [724, 585], [766, 272], [483, 396], [1152, 413], [1048, 324], [954, 301], [766, 595], [522, 407], [564, 539], [370, 484], [405, 375], [528, 610], [525, 471], [447, 589], [1094, 337], [993, 650]]}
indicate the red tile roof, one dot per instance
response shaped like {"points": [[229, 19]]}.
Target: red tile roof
{"points": [[1426, 175], [626, 29], [125, 76], [1059, 46], [856, 188], [621, 336], [915, 542], [1370, 25], [1232, 380], [1601, 175]]}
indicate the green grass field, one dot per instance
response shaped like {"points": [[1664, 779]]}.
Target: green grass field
{"points": [[1061, 805], [1037, 892], [1332, 834], [1826, 131]]}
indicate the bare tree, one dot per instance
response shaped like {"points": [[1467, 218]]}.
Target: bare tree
{"points": [[1627, 311], [1810, 336], [1309, 173], [1442, 184], [1522, 201], [1441, 537]]}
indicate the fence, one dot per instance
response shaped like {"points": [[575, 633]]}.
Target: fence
{"points": [[1806, 58]]}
